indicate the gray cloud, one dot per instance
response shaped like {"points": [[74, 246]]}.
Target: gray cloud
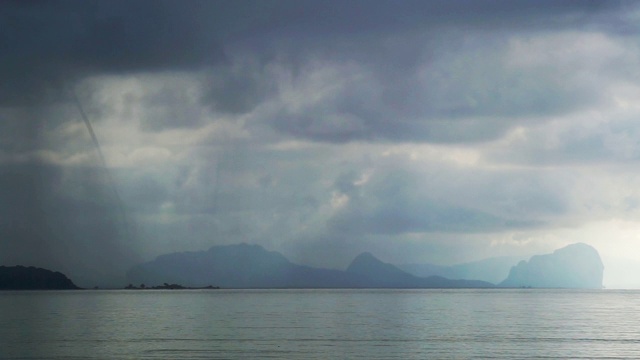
{"points": [[580, 141], [237, 88], [75, 39], [411, 76], [48, 45], [400, 202]]}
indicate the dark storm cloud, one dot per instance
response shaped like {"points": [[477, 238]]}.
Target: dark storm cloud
{"points": [[338, 17], [47, 44], [418, 71]]}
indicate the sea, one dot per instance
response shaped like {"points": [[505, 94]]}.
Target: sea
{"points": [[320, 324]]}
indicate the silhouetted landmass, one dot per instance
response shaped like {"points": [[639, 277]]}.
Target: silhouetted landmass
{"points": [[493, 270], [251, 266], [376, 273], [32, 278], [574, 266], [236, 266]]}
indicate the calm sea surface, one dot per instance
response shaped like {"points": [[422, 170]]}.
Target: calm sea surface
{"points": [[320, 324]]}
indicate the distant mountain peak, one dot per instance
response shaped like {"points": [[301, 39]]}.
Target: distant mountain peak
{"points": [[365, 257], [573, 266], [579, 247], [366, 263]]}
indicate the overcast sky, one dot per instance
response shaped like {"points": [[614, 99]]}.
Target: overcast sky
{"points": [[421, 131]]}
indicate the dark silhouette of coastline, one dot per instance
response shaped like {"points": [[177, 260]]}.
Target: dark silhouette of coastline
{"points": [[33, 278]]}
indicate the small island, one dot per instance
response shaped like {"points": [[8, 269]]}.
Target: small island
{"points": [[167, 286]]}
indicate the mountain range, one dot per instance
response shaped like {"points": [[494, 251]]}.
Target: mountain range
{"points": [[251, 266], [493, 270]]}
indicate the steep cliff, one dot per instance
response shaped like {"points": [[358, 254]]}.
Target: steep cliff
{"points": [[574, 266]]}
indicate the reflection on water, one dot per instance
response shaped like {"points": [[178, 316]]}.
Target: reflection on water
{"points": [[303, 324]]}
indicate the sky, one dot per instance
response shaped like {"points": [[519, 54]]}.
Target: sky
{"points": [[420, 131]]}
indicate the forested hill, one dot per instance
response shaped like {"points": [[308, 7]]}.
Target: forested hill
{"points": [[32, 278]]}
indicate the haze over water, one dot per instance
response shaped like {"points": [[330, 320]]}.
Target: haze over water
{"points": [[320, 324]]}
